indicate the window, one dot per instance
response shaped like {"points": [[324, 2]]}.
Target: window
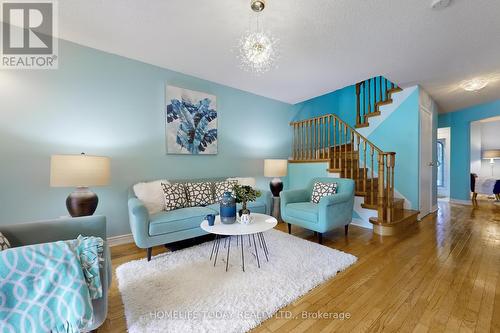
{"points": [[440, 163]]}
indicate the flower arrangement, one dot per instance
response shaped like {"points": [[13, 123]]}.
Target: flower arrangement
{"points": [[244, 194]]}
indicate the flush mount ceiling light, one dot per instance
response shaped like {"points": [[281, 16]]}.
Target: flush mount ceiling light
{"points": [[474, 84], [257, 49]]}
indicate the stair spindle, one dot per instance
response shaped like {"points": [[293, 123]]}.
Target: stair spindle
{"points": [[381, 182], [358, 102], [380, 88], [334, 143], [310, 138], [345, 150], [364, 167], [301, 140], [369, 99], [352, 154], [329, 118], [314, 130], [388, 178], [294, 146], [372, 190], [357, 163]]}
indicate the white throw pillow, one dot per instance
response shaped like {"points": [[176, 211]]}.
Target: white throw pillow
{"points": [[4, 242], [248, 181], [151, 194]]}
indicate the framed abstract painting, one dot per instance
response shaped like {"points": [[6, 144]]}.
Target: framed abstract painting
{"points": [[191, 122]]}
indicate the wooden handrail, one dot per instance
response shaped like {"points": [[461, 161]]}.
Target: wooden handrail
{"points": [[332, 115], [329, 138]]}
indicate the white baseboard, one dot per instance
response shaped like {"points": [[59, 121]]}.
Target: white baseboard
{"points": [[461, 202], [121, 239]]}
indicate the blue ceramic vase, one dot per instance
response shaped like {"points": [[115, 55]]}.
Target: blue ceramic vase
{"points": [[228, 209]]}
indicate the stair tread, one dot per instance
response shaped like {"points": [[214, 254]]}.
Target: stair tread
{"points": [[395, 89], [407, 215], [374, 114], [362, 125], [387, 101]]}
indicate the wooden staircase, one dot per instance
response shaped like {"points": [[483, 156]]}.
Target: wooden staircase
{"points": [[371, 94], [329, 139]]}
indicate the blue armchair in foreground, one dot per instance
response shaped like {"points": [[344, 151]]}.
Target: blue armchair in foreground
{"points": [[331, 212]]}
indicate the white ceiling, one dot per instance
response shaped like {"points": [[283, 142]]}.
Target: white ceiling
{"points": [[325, 44]]}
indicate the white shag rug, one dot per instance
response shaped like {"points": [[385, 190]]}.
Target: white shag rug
{"points": [[182, 291]]}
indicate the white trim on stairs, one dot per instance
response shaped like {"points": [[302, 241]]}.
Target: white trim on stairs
{"points": [[386, 110]]}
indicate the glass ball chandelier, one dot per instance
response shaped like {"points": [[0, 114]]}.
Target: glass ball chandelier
{"points": [[257, 48]]}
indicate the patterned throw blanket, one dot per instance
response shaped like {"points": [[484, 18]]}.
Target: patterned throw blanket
{"points": [[49, 287]]}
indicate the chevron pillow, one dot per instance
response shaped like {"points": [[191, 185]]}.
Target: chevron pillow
{"points": [[4, 242], [321, 190]]}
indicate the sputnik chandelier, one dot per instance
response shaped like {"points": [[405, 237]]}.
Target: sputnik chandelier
{"points": [[257, 48]]}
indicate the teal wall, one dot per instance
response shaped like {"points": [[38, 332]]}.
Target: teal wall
{"points": [[341, 102], [459, 122], [400, 133], [109, 105], [300, 174]]}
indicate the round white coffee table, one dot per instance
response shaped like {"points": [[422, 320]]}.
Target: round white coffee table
{"points": [[260, 224]]}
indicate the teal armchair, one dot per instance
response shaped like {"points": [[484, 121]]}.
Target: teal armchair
{"points": [[331, 212]]}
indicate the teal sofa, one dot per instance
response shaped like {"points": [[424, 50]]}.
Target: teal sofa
{"points": [[65, 229], [331, 212], [180, 224]]}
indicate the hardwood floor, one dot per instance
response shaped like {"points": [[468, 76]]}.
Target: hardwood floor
{"points": [[440, 276]]}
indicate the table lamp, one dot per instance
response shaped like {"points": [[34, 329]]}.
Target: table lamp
{"points": [[80, 171], [491, 155], [276, 169]]}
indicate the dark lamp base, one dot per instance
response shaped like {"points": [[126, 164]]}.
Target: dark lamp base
{"points": [[82, 202], [276, 186]]}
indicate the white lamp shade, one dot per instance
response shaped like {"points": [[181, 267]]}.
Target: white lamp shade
{"points": [[491, 154], [275, 168], [79, 170]]}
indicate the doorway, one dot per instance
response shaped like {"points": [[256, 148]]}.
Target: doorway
{"points": [[443, 163], [485, 158]]}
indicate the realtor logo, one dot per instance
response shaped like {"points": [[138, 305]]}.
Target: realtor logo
{"points": [[28, 31]]}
